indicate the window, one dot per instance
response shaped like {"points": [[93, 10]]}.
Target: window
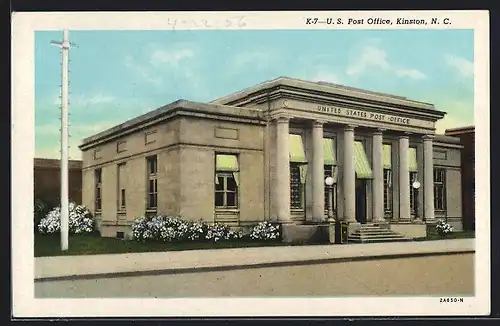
{"points": [[121, 178], [296, 186], [226, 191], [152, 168], [98, 190], [439, 189], [298, 170], [413, 194], [329, 171], [122, 194], [226, 181], [388, 192], [388, 195]]}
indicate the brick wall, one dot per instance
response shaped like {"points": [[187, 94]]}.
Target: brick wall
{"points": [[47, 178], [467, 139]]}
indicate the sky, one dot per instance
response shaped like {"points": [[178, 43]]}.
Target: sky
{"points": [[118, 75]]}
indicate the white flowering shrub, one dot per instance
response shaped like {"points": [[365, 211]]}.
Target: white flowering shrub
{"points": [[174, 229], [197, 230], [167, 229], [80, 220], [443, 228], [159, 228], [40, 210], [265, 231], [219, 231]]}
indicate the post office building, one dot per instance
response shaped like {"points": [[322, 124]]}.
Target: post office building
{"points": [[264, 153]]}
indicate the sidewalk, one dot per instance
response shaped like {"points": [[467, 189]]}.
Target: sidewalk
{"points": [[130, 264]]}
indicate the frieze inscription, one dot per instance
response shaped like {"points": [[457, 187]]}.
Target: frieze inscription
{"points": [[364, 115]]}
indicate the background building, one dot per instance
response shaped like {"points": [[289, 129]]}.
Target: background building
{"points": [[263, 153], [47, 178], [467, 139]]}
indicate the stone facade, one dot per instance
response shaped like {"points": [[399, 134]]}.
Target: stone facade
{"points": [[263, 154]]}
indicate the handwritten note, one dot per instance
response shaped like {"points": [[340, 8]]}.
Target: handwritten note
{"points": [[234, 22]]}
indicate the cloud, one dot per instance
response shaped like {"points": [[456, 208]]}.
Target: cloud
{"points": [[464, 67], [171, 58], [54, 152], [85, 100], [244, 59], [160, 60], [410, 73], [249, 61], [48, 138], [146, 73], [451, 121], [460, 113], [372, 57], [81, 129]]}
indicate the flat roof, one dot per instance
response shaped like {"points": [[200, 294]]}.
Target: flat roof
{"points": [[460, 130], [181, 104], [326, 87], [440, 138], [221, 106]]}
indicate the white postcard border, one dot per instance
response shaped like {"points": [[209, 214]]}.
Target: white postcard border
{"points": [[24, 303]]}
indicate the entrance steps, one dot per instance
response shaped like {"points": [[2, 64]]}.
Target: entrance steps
{"points": [[369, 233]]}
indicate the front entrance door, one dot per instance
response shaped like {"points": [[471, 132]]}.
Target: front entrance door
{"points": [[361, 200]]}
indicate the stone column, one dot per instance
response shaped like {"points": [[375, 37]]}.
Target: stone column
{"points": [[428, 178], [349, 176], [282, 191], [378, 176], [318, 188], [404, 179]]}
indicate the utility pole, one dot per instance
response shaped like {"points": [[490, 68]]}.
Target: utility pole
{"points": [[64, 45]]}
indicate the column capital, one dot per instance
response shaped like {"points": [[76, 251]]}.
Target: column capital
{"points": [[350, 127], [318, 123], [428, 137], [282, 119], [378, 131], [404, 135]]}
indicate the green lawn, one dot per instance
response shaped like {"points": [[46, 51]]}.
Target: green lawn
{"points": [[452, 235], [49, 245]]}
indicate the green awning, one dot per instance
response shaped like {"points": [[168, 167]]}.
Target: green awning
{"points": [[363, 169], [329, 152], [227, 163], [387, 156], [412, 162], [297, 153]]}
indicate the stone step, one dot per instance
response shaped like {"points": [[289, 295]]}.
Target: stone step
{"points": [[378, 240], [375, 231], [376, 237], [369, 233]]}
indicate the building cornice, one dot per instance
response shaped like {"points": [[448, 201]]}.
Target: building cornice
{"points": [[321, 88], [172, 111], [279, 92]]}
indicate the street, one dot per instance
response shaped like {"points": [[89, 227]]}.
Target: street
{"points": [[451, 274]]}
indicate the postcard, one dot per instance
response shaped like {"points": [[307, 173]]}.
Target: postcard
{"points": [[264, 164]]}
